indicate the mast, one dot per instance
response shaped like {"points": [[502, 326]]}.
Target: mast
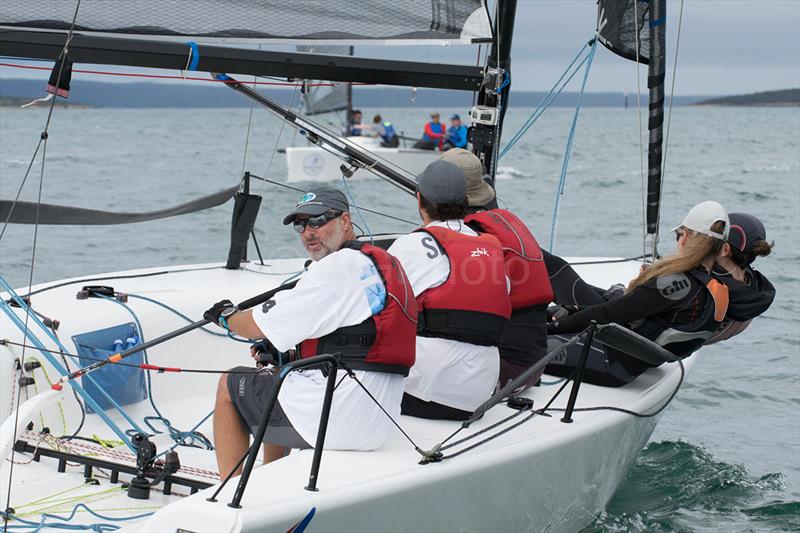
{"points": [[495, 93], [655, 84]]}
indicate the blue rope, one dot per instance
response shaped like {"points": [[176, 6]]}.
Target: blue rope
{"points": [[186, 438], [568, 151], [355, 206], [506, 81], [174, 433], [38, 526], [57, 365], [186, 318], [548, 99]]}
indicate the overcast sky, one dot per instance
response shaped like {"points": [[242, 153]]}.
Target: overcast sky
{"points": [[726, 47]]}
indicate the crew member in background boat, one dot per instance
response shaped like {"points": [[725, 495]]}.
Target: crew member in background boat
{"points": [[675, 302], [459, 279], [524, 339], [433, 134], [354, 299], [751, 293], [354, 126], [384, 129], [456, 134]]}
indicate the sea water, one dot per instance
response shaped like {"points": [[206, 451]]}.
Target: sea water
{"points": [[725, 456]]}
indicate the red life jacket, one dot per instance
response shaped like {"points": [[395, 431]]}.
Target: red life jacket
{"points": [[385, 342], [472, 305], [525, 268]]}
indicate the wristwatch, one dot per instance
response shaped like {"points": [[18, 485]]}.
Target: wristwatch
{"points": [[228, 312]]}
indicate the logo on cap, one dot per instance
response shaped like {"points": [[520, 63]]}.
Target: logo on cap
{"points": [[307, 197]]}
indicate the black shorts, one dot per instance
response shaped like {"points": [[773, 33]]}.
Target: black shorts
{"points": [[250, 391]]}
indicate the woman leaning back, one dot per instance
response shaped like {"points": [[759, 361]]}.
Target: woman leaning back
{"points": [[674, 302]]}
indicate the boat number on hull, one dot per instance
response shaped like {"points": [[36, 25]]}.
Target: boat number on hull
{"points": [[313, 164]]}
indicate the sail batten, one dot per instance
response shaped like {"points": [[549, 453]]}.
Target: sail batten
{"points": [[261, 21]]}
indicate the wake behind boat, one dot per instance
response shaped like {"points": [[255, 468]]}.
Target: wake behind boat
{"points": [[549, 457]]}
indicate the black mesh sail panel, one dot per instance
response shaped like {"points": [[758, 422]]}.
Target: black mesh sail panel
{"points": [[619, 22], [456, 21]]}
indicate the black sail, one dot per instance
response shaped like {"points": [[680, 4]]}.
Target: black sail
{"points": [[619, 24]]}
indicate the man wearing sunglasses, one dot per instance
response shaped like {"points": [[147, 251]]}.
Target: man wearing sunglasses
{"points": [[353, 299]]}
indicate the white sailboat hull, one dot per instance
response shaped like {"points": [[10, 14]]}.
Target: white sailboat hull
{"points": [[541, 475], [311, 163]]}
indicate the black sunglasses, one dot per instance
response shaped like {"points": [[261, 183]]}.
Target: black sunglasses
{"points": [[678, 234], [315, 222]]}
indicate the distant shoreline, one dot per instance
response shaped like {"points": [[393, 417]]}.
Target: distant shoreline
{"points": [[782, 98]]}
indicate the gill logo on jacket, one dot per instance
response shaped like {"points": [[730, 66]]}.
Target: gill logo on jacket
{"points": [[673, 286], [477, 252]]}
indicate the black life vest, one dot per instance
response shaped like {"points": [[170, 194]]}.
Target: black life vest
{"points": [[685, 339], [525, 337], [472, 305], [385, 342]]}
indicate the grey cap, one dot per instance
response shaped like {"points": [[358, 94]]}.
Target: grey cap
{"points": [[442, 183], [318, 201]]}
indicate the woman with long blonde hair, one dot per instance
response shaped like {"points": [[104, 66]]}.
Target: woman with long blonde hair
{"points": [[674, 302]]}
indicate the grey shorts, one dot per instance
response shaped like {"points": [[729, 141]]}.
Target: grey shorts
{"points": [[249, 392]]}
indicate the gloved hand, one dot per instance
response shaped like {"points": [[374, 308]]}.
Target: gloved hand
{"points": [[614, 292], [558, 312], [261, 352], [223, 308], [265, 353]]}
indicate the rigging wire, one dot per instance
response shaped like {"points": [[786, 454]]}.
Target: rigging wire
{"points": [[297, 189], [669, 113], [639, 120], [355, 206], [249, 123], [548, 99], [43, 143], [280, 134], [568, 150]]}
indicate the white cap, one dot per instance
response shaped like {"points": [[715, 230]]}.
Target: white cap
{"points": [[702, 216]]}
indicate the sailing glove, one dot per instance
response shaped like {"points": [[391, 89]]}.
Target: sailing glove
{"points": [[220, 310], [557, 312]]}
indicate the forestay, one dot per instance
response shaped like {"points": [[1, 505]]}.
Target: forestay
{"points": [[353, 21]]}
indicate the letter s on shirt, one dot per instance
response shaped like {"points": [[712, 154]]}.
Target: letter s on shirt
{"points": [[432, 246]]}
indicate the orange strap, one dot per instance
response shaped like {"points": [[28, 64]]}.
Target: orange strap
{"points": [[719, 291]]}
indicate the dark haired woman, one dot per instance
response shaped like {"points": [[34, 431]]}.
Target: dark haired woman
{"points": [[750, 292], [675, 302]]}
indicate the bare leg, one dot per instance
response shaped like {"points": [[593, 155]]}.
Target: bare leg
{"points": [[230, 438], [273, 452]]}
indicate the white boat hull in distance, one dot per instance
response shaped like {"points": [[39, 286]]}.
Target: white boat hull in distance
{"points": [[312, 163]]}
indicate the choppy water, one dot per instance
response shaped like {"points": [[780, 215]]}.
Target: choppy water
{"points": [[725, 456]]}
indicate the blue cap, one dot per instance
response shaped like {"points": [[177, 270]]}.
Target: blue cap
{"points": [[455, 117]]}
